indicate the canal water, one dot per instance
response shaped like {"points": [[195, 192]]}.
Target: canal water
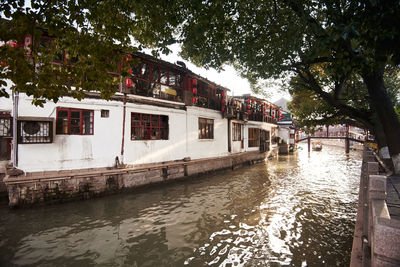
{"points": [[294, 210]]}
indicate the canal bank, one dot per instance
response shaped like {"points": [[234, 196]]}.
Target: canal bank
{"points": [[376, 239], [291, 210], [61, 186]]}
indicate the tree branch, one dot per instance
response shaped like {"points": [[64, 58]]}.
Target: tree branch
{"points": [[339, 85], [362, 115]]}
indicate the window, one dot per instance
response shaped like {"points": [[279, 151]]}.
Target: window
{"points": [[156, 81], [208, 96], [105, 113], [237, 131], [5, 136], [34, 132], [206, 128], [254, 137], [74, 121], [5, 127], [149, 127]]}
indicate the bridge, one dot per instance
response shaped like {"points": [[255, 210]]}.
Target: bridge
{"points": [[346, 138]]}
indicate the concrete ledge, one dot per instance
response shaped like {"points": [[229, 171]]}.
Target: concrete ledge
{"points": [[377, 187], [50, 187], [384, 232], [373, 167], [376, 237], [386, 242]]}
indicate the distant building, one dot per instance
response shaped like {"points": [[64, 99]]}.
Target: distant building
{"points": [[286, 128]]}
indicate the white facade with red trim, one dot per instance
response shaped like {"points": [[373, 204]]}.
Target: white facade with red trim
{"points": [[102, 146]]}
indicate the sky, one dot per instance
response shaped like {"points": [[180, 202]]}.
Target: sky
{"points": [[228, 78]]}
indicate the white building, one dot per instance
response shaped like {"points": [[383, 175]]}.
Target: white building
{"points": [[177, 120]]}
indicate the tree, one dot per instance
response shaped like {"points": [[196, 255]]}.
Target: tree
{"points": [[312, 111], [271, 38], [94, 37], [262, 38]]}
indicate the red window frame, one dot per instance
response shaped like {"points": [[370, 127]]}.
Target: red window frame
{"points": [[69, 127], [149, 127]]}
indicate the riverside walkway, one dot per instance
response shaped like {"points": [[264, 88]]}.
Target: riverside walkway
{"points": [[377, 232]]}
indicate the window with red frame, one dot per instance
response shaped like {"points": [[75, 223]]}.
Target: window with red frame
{"points": [[149, 127], [74, 121]]}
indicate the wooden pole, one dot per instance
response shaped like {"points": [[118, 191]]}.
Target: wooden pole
{"points": [[347, 142], [308, 143]]}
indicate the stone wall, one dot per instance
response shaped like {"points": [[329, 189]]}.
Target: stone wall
{"points": [[377, 236], [51, 187]]}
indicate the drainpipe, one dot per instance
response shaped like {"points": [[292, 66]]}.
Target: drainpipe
{"points": [[229, 136], [123, 122], [15, 96], [123, 131]]}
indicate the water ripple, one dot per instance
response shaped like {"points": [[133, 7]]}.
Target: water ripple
{"points": [[297, 210]]}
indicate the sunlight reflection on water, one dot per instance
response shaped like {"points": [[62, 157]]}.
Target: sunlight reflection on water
{"points": [[294, 210]]}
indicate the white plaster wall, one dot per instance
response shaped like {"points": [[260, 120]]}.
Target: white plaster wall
{"points": [[99, 150], [73, 151], [236, 147], [205, 148], [150, 151], [284, 133]]}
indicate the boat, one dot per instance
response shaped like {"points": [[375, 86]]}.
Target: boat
{"points": [[317, 146]]}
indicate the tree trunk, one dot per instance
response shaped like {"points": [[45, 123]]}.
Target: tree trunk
{"points": [[380, 139], [386, 114]]}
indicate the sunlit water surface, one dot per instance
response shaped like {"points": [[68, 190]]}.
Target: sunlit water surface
{"points": [[294, 210]]}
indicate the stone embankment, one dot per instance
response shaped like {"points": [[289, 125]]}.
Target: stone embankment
{"points": [[377, 232], [50, 187]]}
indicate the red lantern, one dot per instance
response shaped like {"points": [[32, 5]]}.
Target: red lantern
{"points": [[12, 44], [223, 93], [128, 82], [249, 111], [128, 58], [248, 100], [252, 101], [194, 100], [265, 114], [194, 86], [248, 106], [223, 101], [223, 108], [130, 70], [264, 109]]}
